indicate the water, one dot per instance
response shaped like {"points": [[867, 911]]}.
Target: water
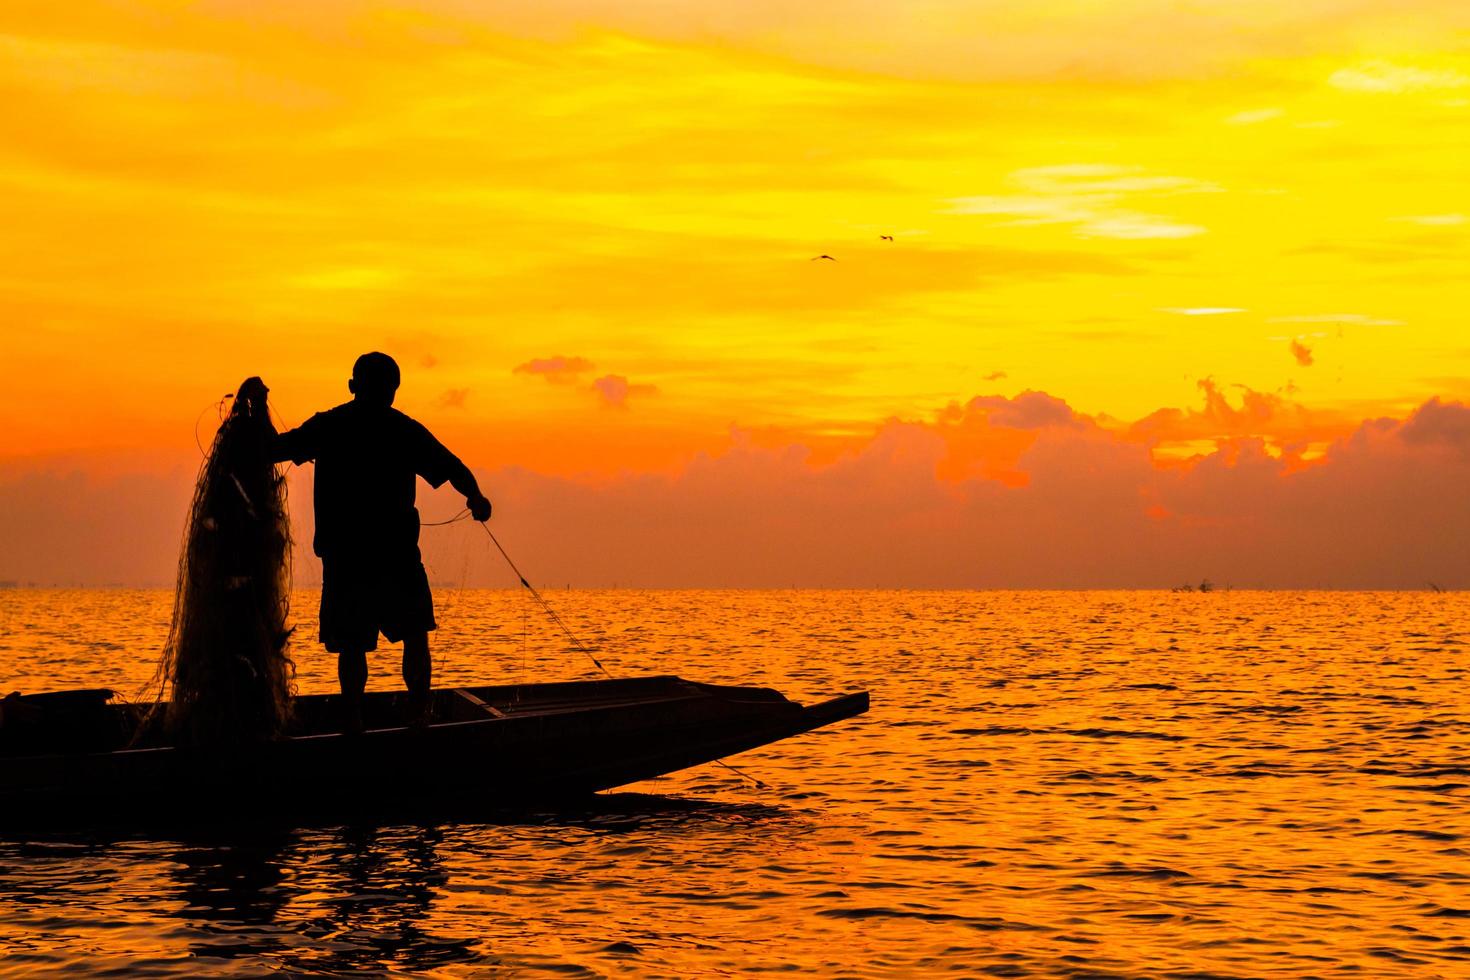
{"points": [[1098, 784]]}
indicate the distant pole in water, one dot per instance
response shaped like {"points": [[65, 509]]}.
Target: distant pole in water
{"points": [[224, 667]]}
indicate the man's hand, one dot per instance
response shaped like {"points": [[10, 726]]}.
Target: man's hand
{"points": [[479, 508], [250, 399]]}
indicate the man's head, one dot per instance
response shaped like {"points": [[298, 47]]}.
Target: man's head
{"points": [[374, 378]]}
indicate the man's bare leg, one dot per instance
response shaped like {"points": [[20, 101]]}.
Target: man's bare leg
{"points": [[352, 673], [418, 673]]}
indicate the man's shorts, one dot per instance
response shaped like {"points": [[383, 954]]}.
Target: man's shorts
{"points": [[362, 597]]}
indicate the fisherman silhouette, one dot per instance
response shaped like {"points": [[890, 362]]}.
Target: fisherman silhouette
{"points": [[367, 456]]}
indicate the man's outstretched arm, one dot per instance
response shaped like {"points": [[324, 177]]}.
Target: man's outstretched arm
{"points": [[464, 481], [296, 445], [437, 465]]}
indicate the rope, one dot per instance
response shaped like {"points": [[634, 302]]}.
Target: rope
{"points": [[453, 520], [578, 644], [570, 635], [743, 775], [544, 604], [219, 410]]}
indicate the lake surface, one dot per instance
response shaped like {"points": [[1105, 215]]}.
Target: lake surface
{"points": [[1084, 784]]}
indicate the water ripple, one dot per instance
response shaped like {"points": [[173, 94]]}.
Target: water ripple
{"points": [[1084, 785]]}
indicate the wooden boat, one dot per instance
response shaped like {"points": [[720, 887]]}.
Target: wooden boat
{"points": [[74, 756]]}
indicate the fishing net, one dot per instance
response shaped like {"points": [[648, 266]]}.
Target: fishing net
{"points": [[225, 670]]}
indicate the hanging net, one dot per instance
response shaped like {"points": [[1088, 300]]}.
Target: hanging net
{"points": [[225, 671]]}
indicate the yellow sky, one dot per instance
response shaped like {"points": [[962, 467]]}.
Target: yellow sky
{"points": [[1106, 201]]}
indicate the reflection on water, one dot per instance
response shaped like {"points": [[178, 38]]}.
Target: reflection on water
{"points": [[325, 901], [374, 889], [1049, 784]]}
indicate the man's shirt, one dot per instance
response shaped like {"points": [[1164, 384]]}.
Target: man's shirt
{"points": [[367, 457]]}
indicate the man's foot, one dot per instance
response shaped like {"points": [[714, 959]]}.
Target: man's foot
{"points": [[418, 711]]}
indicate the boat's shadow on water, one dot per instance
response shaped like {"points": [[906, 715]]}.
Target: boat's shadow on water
{"points": [[607, 812], [644, 811]]}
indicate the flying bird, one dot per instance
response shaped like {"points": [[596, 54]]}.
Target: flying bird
{"points": [[827, 257], [886, 238]]}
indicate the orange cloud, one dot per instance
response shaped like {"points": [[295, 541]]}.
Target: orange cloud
{"points": [[1017, 492], [614, 390], [1439, 424], [557, 370], [1383, 509], [1301, 352], [989, 435], [1284, 425]]}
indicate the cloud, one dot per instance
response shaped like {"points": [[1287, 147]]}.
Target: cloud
{"points": [[1268, 418], [1356, 319], [417, 346], [1379, 510], [1433, 220], [994, 376], [1137, 226], [1385, 77], [101, 528], [1202, 310], [1301, 352], [998, 40], [1437, 423], [1028, 410], [987, 436], [454, 398], [1089, 196], [726, 276], [614, 390], [1082, 179], [558, 370], [1250, 117], [996, 492]]}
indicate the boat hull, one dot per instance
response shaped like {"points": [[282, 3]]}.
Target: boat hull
{"points": [[489, 746]]}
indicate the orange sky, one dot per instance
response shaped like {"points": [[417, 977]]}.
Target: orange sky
{"points": [[585, 229]]}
